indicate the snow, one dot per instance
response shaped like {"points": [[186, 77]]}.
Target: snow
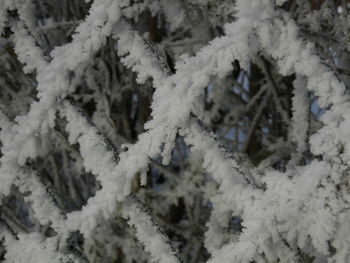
{"points": [[302, 208]]}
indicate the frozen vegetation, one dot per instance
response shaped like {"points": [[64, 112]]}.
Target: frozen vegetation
{"points": [[175, 131]]}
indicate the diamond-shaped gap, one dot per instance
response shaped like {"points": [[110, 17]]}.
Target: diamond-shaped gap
{"points": [[17, 89], [56, 21], [118, 107], [112, 241], [15, 214], [248, 127], [61, 170], [175, 200]]}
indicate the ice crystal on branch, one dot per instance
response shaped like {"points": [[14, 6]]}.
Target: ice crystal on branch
{"points": [[174, 131]]}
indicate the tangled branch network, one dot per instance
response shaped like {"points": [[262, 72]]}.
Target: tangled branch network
{"points": [[286, 215]]}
